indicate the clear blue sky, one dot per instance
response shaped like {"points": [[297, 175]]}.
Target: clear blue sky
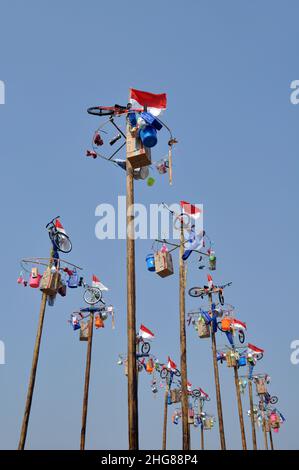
{"points": [[227, 68]]}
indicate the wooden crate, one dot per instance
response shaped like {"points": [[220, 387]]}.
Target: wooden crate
{"points": [[163, 263], [137, 155]]}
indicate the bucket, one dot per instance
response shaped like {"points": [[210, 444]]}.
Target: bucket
{"points": [[148, 136], [150, 262], [242, 361], [225, 324]]}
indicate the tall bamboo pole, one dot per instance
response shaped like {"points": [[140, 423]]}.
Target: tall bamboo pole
{"points": [[185, 426], [202, 438], [131, 313], [254, 443], [164, 437], [217, 385], [33, 373], [271, 440], [240, 409], [265, 431], [86, 384]]}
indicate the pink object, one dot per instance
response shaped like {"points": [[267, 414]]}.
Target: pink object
{"points": [[34, 281], [91, 153], [20, 280]]}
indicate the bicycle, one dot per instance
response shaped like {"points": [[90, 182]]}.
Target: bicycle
{"points": [[206, 290], [145, 345], [166, 372], [233, 329], [60, 240], [92, 295]]}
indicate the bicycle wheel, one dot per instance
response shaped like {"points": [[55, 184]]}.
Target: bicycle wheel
{"points": [[107, 110], [163, 373], [219, 326], [259, 356], [221, 298], [196, 292], [177, 373], [62, 242], [196, 393], [241, 336], [145, 348], [273, 400], [92, 295]]}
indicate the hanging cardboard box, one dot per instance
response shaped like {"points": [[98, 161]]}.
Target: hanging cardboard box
{"points": [[163, 263], [175, 395], [190, 416], [50, 282], [203, 329], [137, 154], [261, 388], [84, 331]]}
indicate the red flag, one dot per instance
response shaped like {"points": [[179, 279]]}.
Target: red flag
{"points": [[171, 365], [254, 349], [149, 99], [190, 209], [145, 333], [59, 226]]}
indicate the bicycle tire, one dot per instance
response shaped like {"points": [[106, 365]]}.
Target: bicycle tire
{"points": [[259, 356], [241, 336], [163, 373], [273, 400], [92, 295], [61, 242], [221, 298], [145, 348], [194, 292], [177, 373], [220, 327], [107, 110], [196, 393]]}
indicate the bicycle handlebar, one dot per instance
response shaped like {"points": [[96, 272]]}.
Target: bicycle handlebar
{"points": [[51, 222]]}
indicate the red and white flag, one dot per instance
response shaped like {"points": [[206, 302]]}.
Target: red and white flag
{"points": [[97, 283], [145, 333], [210, 281], [171, 365], [238, 324], [189, 386], [155, 103], [59, 226], [190, 209], [254, 349]]}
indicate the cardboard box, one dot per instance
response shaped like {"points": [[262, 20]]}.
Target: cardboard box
{"points": [[163, 264], [137, 155]]}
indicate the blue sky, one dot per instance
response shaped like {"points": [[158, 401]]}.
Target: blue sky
{"points": [[227, 69]]}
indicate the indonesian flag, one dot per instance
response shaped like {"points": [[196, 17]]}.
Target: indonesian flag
{"points": [[210, 281], [254, 349], [239, 325], [59, 226], [155, 103], [97, 283], [145, 333], [171, 365], [190, 209], [189, 386]]}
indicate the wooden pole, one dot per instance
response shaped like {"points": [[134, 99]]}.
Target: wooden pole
{"points": [[131, 312], [271, 440], [254, 443], [217, 385], [185, 426], [87, 379], [202, 438], [164, 437], [265, 432], [33, 373], [240, 409]]}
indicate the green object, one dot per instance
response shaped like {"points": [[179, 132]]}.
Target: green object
{"points": [[150, 181]]}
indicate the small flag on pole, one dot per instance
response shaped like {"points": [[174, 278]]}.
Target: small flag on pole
{"points": [[59, 226], [171, 365], [239, 325], [155, 103], [145, 333], [97, 283], [254, 349], [190, 209]]}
